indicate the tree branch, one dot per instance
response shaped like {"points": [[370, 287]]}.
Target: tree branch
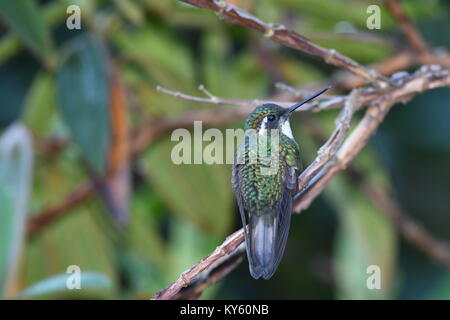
{"points": [[411, 229], [38, 221], [334, 156], [411, 33], [232, 247], [400, 61], [325, 102], [289, 38]]}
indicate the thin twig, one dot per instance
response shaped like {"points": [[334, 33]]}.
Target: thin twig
{"points": [[289, 38], [156, 128], [232, 246], [411, 33], [37, 222], [409, 228], [337, 151], [400, 61], [327, 102]]}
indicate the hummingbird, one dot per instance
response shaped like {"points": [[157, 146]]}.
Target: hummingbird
{"points": [[265, 197]]}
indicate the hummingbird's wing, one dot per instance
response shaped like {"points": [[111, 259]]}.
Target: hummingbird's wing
{"points": [[266, 233], [235, 183], [284, 215]]}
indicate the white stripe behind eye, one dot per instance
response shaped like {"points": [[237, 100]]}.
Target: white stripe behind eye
{"points": [[263, 128]]}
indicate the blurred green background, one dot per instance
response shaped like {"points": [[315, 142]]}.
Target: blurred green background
{"points": [[60, 85]]}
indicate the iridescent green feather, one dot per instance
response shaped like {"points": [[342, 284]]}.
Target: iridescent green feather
{"points": [[262, 192]]}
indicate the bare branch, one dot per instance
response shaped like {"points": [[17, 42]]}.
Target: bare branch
{"points": [[233, 245], [423, 80], [155, 128], [44, 218], [412, 34], [332, 157], [400, 61], [331, 101], [411, 229], [336, 154], [281, 34]]}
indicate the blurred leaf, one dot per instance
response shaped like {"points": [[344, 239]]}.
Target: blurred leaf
{"points": [[144, 235], [188, 244], [16, 161], [299, 73], [53, 12], [216, 71], [83, 93], [26, 19], [240, 71], [161, 55], [185, 15], [131, 10], [441, 291], [16, 77], [58, 283], [40, 103], [420, 9], [62, 174], [199, 193], [75, 240], [145, 262], [6, 238], [366, 237], [362, 51], [143, 278], [9, 45], [161, 8], [325, 13], [80, 238]]}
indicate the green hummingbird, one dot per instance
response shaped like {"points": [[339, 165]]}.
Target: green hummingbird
{"points": [[265, 196]]}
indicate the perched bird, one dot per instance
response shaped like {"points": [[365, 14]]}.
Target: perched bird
{"points": [[265, 183]]}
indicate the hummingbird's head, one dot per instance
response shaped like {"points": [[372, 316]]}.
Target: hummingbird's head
{"points": [[266, 117], [271, 116]]}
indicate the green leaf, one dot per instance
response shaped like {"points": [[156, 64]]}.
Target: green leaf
{"points": [[158, 53], [361, 51], [131, 11], [365, 238], [200, 193], [40, 104], [76, 240], [143, 231], [16, 159], [188, 245], [243, 74], [27, 20], [6, 237], [441, 291], [83, 93], [58, 283], [330, 12]]}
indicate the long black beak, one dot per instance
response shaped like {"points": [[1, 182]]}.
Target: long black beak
{"points": [[298, 104]]}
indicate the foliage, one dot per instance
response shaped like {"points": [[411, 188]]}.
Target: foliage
{"points": [[61, 85]]}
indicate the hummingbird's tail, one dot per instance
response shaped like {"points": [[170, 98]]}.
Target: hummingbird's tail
{"points": [[266, 242]]}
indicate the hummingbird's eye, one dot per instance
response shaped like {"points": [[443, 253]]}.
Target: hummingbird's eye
{"points": [[271, 117]]}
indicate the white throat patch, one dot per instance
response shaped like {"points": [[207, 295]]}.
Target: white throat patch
{"points": [[286, 129]]}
